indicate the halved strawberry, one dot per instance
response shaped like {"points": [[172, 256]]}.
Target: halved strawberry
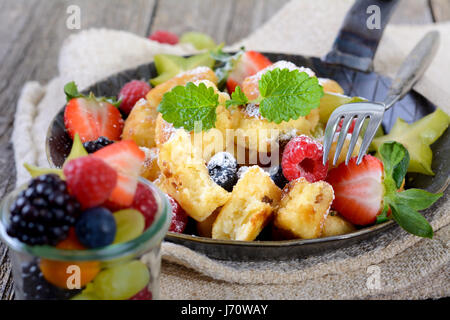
{"points": [[248, 64], [91, 117], [358, 189], [126, 158]]}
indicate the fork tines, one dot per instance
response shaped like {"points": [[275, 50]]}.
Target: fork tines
{"points": [[359, 111]]}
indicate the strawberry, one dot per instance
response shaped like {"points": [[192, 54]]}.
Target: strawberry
{"points": [[126, 158], [91, 117], [91, 180], [358, 189], [248, 64]]}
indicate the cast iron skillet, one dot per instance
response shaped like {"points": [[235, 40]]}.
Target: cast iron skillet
{"points": [[350, 64]]}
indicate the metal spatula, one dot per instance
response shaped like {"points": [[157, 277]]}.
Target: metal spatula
{"points": [[410, 71]]}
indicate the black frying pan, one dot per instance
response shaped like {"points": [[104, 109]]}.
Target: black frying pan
{"points": [[350, 64]]}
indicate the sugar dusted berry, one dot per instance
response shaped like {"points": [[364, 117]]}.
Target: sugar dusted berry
{"points": [[144, 201], [90, 179], [44, 212], [163, 36], [95, 145], [179, 217], [302, 157], [131, 92], [96, 227], [222, 168]]}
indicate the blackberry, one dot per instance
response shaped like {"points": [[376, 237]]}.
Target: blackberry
{"points": [[92, 146], [35, 287], [276, 173], [222, 169], [43, 212]]}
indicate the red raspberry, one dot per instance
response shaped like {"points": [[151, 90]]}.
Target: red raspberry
{"points": [[164, 37], [179, 217], [350, 129], [131, 92], [144, 294], [302, 157], [144, 201], [91, 180]]}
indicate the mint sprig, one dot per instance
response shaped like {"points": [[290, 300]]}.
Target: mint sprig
{"points": [[71, 91], [183, 106], [238, 98], [404, 205], [286, 95]]}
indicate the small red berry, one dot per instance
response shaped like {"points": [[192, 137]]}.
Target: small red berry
{"points": [[144, 201], [179, 217], [90, 179], [164, 37], [350, 129], [131, 92], [302, 157], [144, 294]]}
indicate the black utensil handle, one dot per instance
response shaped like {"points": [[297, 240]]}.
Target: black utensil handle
{"points": [[358, 38]]}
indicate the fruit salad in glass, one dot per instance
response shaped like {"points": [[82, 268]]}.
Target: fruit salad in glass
{"points": [[90, 230]]}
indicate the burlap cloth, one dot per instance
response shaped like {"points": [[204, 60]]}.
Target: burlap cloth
{"points": [[410, 267]]}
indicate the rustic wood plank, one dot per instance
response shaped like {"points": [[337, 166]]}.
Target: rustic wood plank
{"points": [[249, 15], [210, 17], [440, 10]]}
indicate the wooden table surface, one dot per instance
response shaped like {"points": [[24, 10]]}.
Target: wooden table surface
{"points": [[31, 33]]}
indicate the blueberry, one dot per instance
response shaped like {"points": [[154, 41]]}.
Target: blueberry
{"points": [[222, 169], [276, 173], [96, 227]]}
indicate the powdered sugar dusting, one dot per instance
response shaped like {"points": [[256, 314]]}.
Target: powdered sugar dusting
{"points": [[252, 110], [282, 64], [222, 160], [242, 170], [197, 73]]}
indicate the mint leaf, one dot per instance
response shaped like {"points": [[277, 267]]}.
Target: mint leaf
{"points": [[287, 95], [395, 159], [410, 220], [185, 105], [238, 98], [417, 199], [71, 91]]}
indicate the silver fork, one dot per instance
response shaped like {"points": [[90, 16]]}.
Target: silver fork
{"points": [[410, 71]]}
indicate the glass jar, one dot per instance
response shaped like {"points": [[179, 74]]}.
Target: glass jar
{"points": [[115, 272]]}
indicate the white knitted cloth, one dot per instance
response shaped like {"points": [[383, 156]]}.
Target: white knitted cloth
{"points": [[411, 267]]}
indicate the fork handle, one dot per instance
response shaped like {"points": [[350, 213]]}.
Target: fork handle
{"points": [[413, 68]]}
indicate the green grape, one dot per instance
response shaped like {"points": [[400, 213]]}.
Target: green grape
{"points": [[130, 224], [199, 40], [120, 282]]}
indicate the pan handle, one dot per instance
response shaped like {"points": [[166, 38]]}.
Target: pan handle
{"points": [[360, 33]]}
